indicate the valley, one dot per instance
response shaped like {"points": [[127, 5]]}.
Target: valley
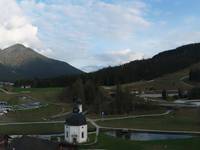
{"points": [[160, 105]]}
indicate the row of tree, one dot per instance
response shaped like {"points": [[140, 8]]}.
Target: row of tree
{"points": [[98, 100], [147, 69], [194, 74]]}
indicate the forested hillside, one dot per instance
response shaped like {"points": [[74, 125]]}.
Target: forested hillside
{"points": [[163, 63]]}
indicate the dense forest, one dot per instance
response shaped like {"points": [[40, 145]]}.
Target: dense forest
{"points": [[98, 100], [194, 75], [163, 63]]}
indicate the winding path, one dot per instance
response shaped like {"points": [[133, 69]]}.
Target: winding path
{"points": [[98, 127]]}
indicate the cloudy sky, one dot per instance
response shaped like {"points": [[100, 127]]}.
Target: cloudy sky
{"points": [[91, 34]]}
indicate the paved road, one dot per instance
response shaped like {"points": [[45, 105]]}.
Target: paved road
{"points": [[97, 131], [187, 84], [131, 117], [152, 131], [98, 127]]}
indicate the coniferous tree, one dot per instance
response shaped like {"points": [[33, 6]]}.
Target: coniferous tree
{"points": [[164, 94]]}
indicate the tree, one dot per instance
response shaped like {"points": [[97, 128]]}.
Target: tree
{"points": [[78, 90], [90, 92], [66, 95], [180, 93], [97, 103], [119, 99], [164, 94], [194, 93]]}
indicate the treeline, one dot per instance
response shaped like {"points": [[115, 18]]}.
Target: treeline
{"points": [[98, 100], [147, 69], [49, 82], [194, 74], [163, 63]]}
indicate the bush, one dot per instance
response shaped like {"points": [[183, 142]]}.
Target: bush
{"points": [[194, 93]]}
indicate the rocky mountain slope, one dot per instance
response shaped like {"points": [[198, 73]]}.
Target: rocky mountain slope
{"points": [[20, 62]]}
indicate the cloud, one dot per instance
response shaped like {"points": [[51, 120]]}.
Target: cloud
{"points": [[15, 27], [73, 29], [119, 57], [95, 33], [91, 68], [112, 58]]}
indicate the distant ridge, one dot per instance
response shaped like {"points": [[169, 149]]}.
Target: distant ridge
{"points": [[20, 62], [163, 63]]}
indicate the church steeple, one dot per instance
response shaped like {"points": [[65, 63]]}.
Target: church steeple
{"points": [[79, 105], [78, 108]]}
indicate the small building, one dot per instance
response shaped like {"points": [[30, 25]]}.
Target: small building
{"points": [[26, 86], [76, 126]]}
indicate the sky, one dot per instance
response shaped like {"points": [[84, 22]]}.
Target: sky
{"points": [[91, 34]]}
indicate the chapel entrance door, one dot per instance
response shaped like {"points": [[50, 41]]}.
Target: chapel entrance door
{"points": [[74, 140]]}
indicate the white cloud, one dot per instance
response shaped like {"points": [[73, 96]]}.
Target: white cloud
{"points": [[126, 55], [119, 57], [86, 33], [112, 58], [15, 27], [72, 29]]}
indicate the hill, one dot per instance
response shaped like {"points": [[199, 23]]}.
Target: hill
{"points": [[19, 62], [161, 64]]}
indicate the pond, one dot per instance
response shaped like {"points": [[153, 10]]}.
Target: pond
{"points": [[195, 103], [188, 102], [145, 136]]}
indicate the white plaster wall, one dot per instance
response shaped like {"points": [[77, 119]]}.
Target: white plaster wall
{"points": [[76, 130]]}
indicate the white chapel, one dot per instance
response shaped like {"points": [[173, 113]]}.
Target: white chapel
{"points": [[75, 127]]}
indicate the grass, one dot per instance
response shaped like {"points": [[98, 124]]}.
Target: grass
{"points": [[32, 129], [111, 143], [45, 94], [40, 94], [41, 128], [181, 120], [40, 114], [11, 99], [169, 82], [48, 96], [136, 112]]}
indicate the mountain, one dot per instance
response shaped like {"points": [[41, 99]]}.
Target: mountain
{"points": [[163, 63], [20, 62]]}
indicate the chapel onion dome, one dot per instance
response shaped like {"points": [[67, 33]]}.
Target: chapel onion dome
{"points": [[76, 119]]}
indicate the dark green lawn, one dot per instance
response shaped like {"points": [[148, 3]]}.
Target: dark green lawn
{"points": [[32, 129], [184, 119], [110, 143], [39, 114]]}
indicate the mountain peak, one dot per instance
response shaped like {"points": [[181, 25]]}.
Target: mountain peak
{"points": [[18, 45], [18, 54], [19, 61]]}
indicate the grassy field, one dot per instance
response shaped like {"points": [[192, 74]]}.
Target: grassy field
{"points": [[181, 120], [41, 128], [40, 114], [110, 143], [48, 96], [135, 112], [32, 129], [41, 94]]}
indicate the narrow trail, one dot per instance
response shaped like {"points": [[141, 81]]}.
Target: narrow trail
{"points": [[187, 84], [135, 116]]}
